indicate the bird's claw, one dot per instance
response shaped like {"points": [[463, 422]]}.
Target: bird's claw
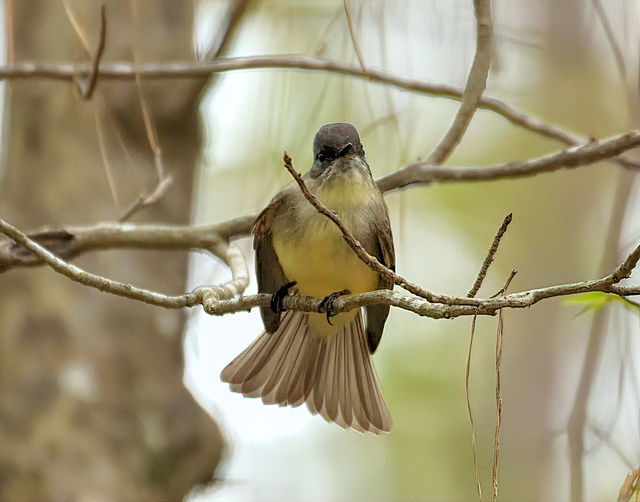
{"points": [[278, 296], [326, 305]]}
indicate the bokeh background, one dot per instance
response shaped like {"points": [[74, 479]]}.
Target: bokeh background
{"points": [[91, 396]]}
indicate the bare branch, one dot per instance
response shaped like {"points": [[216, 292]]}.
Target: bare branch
{"points": [[180, 70], [147, 200], [475, 86], [354, 40], [474, 446], [95, 66], [235, 13], [424, 173], [489, 258], [76, 26], [230, 254], [105, 160]]}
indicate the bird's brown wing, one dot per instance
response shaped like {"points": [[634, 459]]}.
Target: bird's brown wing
{"points": [[268, 270], [380, 245]]}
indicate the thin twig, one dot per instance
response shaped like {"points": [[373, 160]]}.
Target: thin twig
{"points": [[76, 26], [616, 49], [354, 41], [605, 437], [471, 420], [475, 86], [95, 67], [105, 160], [503, 289], [147, 200], [236, 10], [9, 16], [630, 486], [162, 182], [496, 445], [489, 258]]}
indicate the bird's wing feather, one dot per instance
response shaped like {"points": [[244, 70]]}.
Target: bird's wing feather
{"points": [[380, 244], [268, 270]]}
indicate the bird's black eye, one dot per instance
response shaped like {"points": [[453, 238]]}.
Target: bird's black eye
{"points": [[322, 157]]}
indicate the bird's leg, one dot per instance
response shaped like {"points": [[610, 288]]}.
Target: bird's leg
{"points": [[277, 297], [326, 305]]}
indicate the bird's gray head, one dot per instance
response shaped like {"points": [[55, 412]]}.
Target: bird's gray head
{"points": [[337, 150]]}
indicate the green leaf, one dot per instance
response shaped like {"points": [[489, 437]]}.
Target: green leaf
{"points": [[596, 300]]}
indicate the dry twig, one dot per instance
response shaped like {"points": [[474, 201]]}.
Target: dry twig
{"points": [[630, 486], [354, 41], [87, 92], [489, 258], [469, 410]]}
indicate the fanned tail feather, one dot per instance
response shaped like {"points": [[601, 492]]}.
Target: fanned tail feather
{"points": [[333, 374]]}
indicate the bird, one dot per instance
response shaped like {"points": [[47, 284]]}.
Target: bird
{"points": [[322, 359]]}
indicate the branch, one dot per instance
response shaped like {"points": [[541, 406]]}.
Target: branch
{"points": [[489, 258], [74, 241], [95, 66], [218, 300], [354, 40], [181, 70], [424, 173], [475, 86], [422, 307], [230, 254]]}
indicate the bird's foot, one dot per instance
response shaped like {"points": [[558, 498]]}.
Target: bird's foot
{"points": [[278, 296], [326, 305]]}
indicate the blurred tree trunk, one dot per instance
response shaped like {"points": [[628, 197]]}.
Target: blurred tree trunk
{"points": [[92, 402]]}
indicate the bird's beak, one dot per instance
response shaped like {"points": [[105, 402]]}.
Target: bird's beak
{"points": [[348, 149]]}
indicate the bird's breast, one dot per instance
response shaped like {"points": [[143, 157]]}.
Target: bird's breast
{"points": [[312, 250]]}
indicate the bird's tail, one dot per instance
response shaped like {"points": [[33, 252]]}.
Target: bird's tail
{"points": [[333, 374]]}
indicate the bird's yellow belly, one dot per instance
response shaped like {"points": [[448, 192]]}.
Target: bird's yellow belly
{"points": [[321, 263]]}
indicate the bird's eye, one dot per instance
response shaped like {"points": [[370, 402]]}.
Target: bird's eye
{"points": [[322, 157]]}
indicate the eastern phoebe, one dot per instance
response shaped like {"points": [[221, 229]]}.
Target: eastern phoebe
{"points": [[321, 359]]}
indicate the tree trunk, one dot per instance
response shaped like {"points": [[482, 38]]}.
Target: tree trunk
{"points": [[92, 401]]}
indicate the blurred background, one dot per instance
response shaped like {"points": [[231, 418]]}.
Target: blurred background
{"points": [[92, 401]]}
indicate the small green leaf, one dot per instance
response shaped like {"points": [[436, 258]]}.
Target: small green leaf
{"points": [[595, 300]]}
